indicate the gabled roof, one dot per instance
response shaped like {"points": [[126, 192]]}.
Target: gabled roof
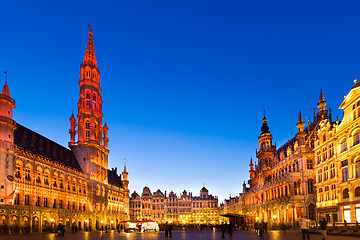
{"points": [[38, 144]]}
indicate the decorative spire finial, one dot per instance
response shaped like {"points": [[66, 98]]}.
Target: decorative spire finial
{"points": [[355, 81], [89, 27], [5, 76]]}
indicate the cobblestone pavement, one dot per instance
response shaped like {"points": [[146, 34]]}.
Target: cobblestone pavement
{"points": [[177, 235]]}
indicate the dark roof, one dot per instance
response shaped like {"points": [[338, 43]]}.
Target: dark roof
{"points": [[114, 179], [204, 190], [37, 144]]}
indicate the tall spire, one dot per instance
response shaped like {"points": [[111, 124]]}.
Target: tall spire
{"points": [[323, 114], [90, 57], [300, 124], [322, 102]]}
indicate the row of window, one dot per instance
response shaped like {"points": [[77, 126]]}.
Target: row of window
{"points": [[46, 202], [326, 153], [44, 178], [325, 174]]}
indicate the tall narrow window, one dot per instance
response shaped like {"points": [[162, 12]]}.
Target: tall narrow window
{"points": [[356, 138], [320, 176], [87, 129], [87, 99], [327, 193], [311, 186], [345, 174], [27, 174], [318, 157], [333, 192], [331, 150], [46, 178], [27, 199], [94, 101], [332, 170], [326, 173], [324, 153], [17, 199], [18, 172], [346, 193], [343, 145]]}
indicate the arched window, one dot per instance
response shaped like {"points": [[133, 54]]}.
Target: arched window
{"points": [[18, 171], [46, 178], [357, 138], [357, 192], [27, 174], [343, 145], [346, 193], [88, 73]]}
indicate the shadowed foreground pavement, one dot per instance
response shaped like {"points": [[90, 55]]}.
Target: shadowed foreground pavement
{"points": [[177, 235]]}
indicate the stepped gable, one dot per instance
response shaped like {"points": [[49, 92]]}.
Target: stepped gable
{"points": [[114, 179], [38, 144]]}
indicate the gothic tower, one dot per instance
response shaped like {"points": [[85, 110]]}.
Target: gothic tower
{"points": [[7, 147], [266, 151], [91, 146]]}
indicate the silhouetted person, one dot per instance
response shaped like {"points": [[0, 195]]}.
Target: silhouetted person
{"points": [[305, 224], [166, 228], [223, 230], [170, 229], [323, 227], [230, 229]]}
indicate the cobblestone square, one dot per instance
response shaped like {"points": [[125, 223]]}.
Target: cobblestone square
{"points": [[177, 235]]}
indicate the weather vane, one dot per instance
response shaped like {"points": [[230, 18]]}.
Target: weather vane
{"points": [[5, 76]]}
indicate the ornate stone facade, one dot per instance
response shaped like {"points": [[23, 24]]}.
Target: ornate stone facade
{"points": [[185, 209], [43, 184], [337, 151], [282, 185]]}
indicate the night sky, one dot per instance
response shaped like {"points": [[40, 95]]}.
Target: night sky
{"points": [[184, 83]]}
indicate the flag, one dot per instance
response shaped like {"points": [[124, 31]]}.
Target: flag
{"points": [[255, 195], [10, 196]]}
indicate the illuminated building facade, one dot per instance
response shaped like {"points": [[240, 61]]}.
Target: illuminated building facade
{"points": [[337, 151], [43, 183], [185, 209], [282, 185]]}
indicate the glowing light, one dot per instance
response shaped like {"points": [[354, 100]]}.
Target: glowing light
{"points": [[274, 216], [257, 218], [51, 220], [86, 221], [101, 221]]}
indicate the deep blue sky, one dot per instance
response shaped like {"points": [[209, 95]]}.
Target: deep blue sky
{"points": [[184, 82]]}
